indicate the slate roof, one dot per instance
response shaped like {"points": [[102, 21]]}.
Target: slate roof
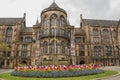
{"points": [[79, 32], [53, 6], [28, 29], [10, 21], [93, 22]]}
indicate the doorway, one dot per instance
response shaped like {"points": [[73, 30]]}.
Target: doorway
{"points": [[82, 62]]}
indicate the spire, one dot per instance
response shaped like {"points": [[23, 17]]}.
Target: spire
{"points": [[68, 22], [53, 5], [37, 22]]}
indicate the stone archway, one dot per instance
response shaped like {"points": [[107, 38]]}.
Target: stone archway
{"points": [[82, 62], [24, 62]]}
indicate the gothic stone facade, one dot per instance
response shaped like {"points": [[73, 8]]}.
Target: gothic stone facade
{"points": [[54, 41]]}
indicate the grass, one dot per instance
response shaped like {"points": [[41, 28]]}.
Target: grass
{"points": [[7, 76]]}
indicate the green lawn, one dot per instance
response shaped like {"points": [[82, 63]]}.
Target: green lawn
{"points": [[7, 76]]}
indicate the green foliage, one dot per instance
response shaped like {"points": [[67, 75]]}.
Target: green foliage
{"points": [[20, 65]]}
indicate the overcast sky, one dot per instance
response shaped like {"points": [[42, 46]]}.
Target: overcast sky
{"points": [[93, 9]]}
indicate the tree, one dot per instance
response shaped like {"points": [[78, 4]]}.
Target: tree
{"points": [[3, 45]]}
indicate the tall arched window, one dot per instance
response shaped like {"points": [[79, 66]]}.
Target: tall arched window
{"points": [[45, 32], [53, 31], [53, 47], [95, 32], [62, 21], [115, 35], [45, 22], [9, 34], [37, 35], [24, 50], [105, 35], [62, 47], [117, 51], [81, 50], [97, 51], [53, 20], [108, 51], [105, 32], [45, 47], [95, 35], [69, 34]]}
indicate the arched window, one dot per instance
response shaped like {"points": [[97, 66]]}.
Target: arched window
{"points": [[96, 39], [45, 32], [95, 32], [45, 47], [9, 34], [115, 35], [105, 32], [97, 51], [37, 35], [53, 31], [53, 47], [117, 50], [78, 39], [53, 20], [105, 35], [62, 47], [69, 34], [62, 21], [62, 32], [95, 35], [108, 51], [45, 22], [24, 50], [81, 47], [81, 50], [28, 39]]}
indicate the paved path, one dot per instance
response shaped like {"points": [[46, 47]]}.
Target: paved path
{"points": [[5, 70], [115, 68]]}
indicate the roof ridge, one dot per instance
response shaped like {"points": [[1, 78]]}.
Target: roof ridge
{"points": [[101, 19]]}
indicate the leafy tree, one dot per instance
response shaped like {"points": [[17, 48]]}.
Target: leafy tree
{"points": [[3, 45]]}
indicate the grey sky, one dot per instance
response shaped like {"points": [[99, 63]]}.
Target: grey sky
{"points": [[94, 9]]}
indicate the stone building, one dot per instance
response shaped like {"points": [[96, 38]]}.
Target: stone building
{"points": [[54, 41]]}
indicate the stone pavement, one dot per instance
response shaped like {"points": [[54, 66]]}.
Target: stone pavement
{"points": [[114, 68]]}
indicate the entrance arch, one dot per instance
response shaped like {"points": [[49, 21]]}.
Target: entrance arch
{"points": [[82, 62], [24, 62]]}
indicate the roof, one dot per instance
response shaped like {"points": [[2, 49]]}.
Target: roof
{"points": [[10, 21], [79, 32], [53, 6], [28, 29], [93, 22]]}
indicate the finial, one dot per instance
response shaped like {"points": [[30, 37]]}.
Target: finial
{"points": [[54, 1], [37, 22]]}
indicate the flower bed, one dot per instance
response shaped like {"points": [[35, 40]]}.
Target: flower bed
{"points": [[56, 71]]}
